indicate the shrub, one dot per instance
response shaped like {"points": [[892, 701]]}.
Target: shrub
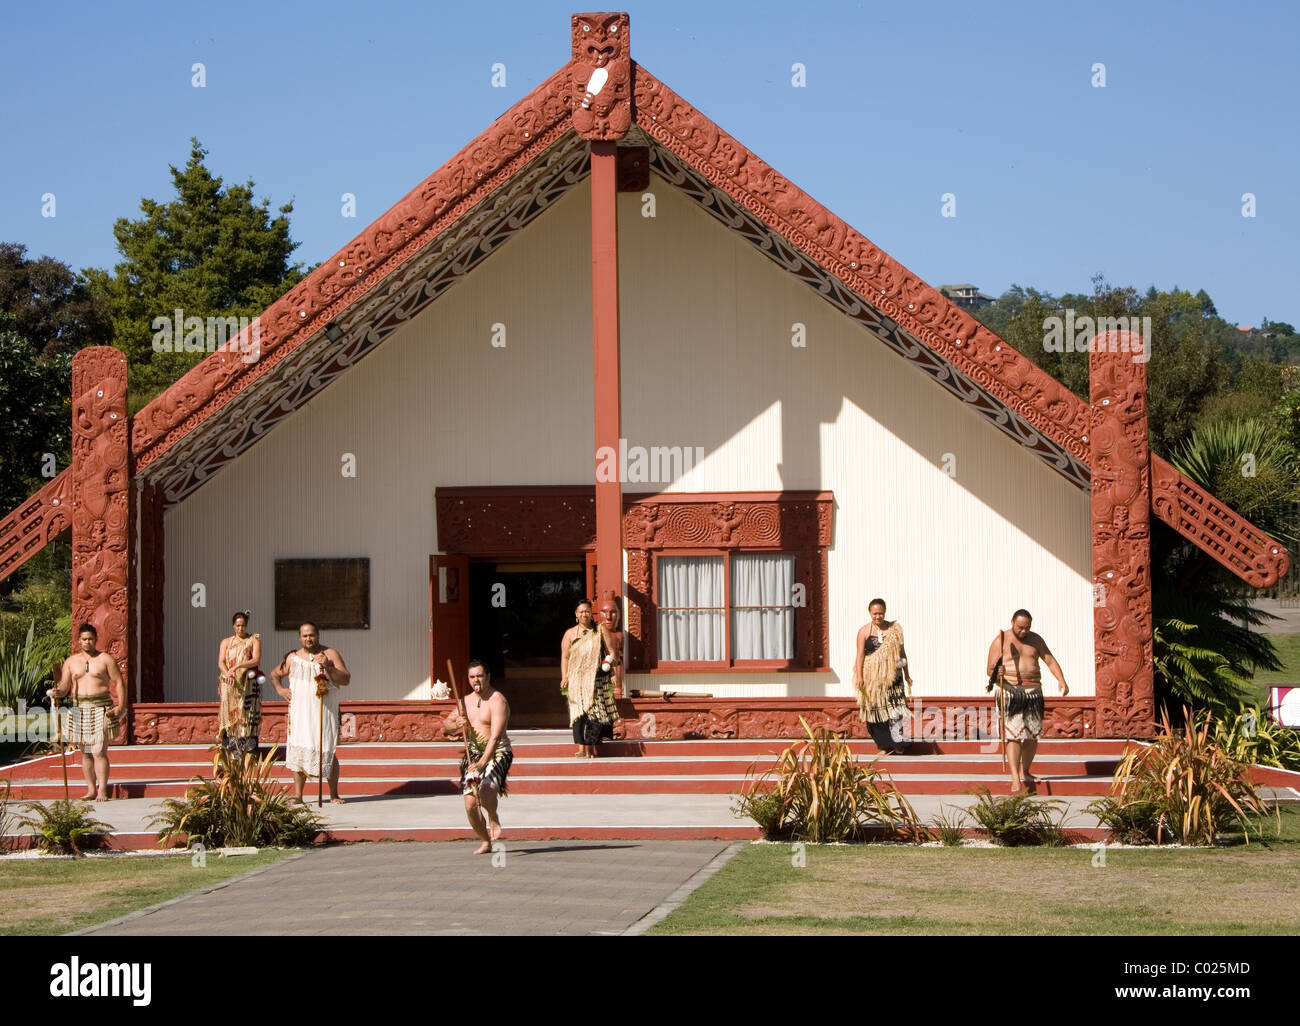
{"points": [[1128, 822], [1252, 737], [1019, 819], [1184, 787], [61, 824], [819, 792], [950, 827], [241, 806]]}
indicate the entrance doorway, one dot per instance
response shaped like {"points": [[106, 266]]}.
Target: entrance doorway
{"points": [[519, 612]]}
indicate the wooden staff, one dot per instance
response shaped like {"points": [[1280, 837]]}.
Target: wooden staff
{"points": [[320, 758], [460, 705], [320, 744], [63, 758]]}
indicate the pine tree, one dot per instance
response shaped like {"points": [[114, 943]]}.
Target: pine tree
{"points": [[211, 251]]}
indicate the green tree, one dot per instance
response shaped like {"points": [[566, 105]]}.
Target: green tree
{"points": [[210, 251], [1208, 646], [35, 400], [49, 305]]}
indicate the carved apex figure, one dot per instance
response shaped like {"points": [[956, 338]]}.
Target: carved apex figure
{"points": [[602, 76]]}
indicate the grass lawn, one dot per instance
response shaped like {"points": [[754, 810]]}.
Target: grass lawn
{"points": [[1288, 651], [46, 897], [879, 889]]}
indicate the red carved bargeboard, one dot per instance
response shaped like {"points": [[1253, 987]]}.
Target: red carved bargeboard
{"points": [[1222, 532], [442, 199], [1121, 539], [102, 520], [35, 523], [926, 313], [798, 522], [961, 718]]}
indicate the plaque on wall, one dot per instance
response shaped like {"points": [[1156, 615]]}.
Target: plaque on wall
{"points": [[334, 594]]}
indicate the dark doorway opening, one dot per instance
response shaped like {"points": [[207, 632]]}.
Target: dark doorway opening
{"points": [[519, 611]]}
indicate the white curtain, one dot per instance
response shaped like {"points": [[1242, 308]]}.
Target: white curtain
{"points": [[763, 579], [692, 608]]}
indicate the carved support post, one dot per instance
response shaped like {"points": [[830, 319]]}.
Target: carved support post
{"points": [[1121, 536], [151, 580], [602, 113], [103, 516]]}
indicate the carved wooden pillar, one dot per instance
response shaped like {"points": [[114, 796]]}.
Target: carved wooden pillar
{"points": [[151, 578], [103, 515], [1121, 537], [602, 113]]}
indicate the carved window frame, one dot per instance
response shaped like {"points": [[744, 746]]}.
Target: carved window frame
{"points": [[729, 662], [712, 524]]}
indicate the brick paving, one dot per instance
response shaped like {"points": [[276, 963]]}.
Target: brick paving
{"points": [[542, 887]]}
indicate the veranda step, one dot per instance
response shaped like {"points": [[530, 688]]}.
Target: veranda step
{"points": [[526, 765], [538, 784]]}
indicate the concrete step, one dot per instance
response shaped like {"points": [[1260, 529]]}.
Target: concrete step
{"points": [[526, 765], [908, 783]]}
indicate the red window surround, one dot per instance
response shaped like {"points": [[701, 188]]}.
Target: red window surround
{"points": [[715, 523]]}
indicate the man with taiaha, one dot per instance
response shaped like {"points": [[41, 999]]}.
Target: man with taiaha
{"points": [[315, 675], [882, 680], [587, 652], [483, 773], [87, 676], [1013, 669]]}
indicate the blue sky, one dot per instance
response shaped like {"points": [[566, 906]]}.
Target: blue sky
{"points": [[1055, 180]]}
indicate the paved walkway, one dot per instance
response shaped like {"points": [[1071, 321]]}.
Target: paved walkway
{"points": [[544, 887]]}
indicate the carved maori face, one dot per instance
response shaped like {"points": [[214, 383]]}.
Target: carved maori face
{"points": [[607, 612], [599, 39]]}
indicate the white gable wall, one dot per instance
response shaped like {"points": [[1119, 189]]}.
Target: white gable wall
{"points": [[436, 404], [708, 328], [707, 361]]}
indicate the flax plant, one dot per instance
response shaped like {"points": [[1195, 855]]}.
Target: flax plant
{"points": [[819, 792], [1184, 787], [1255, 737], [240, 806], [949, 826], [26, 669]]}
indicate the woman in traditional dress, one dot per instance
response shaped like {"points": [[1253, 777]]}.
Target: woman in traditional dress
{"points": [[240, 692], [882, 680], [586, 680]]}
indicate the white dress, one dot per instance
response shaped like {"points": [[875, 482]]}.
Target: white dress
{"points": [[303, 750]]}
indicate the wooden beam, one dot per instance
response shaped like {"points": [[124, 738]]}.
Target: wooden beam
{"points": [[604, 310]]}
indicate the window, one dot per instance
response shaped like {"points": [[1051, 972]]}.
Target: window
{"points": [[730, 608], [727, 582]]}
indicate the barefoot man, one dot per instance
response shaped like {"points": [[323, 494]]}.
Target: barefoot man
{"points": [[483, 781], [1020, 698], [86, 676], [306, 732]]}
